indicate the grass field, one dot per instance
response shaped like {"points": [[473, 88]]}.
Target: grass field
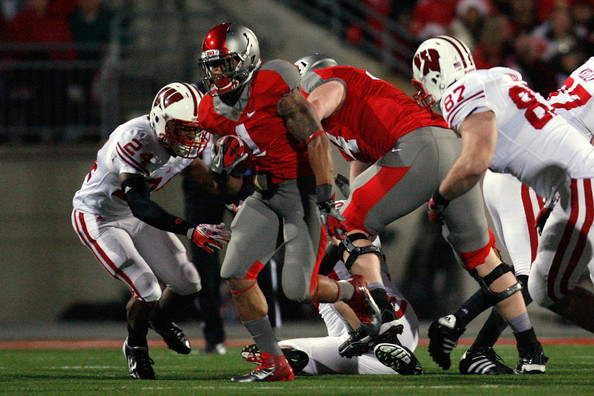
{"points": [[94, 371]]}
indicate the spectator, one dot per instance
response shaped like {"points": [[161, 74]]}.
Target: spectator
{"points": [[38, 96], [494, 42], [558, 33], [432, 17], [91, 26], [470, 17]]}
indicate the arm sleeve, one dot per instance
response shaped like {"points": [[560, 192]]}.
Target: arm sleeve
{"points": [[137, 193]]}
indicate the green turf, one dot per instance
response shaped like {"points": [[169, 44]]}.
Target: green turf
{"points": [[102, 371]]}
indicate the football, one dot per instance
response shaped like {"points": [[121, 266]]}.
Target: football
{"points": [[235, 154]]}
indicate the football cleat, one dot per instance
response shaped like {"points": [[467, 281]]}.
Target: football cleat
{"points": [[272, 368], [443, 338], [297, 358], [399, 358], [140, 365], [532, 361], [362, 303], [484, 361], [172, 335]]}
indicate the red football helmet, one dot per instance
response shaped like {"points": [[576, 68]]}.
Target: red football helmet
{"points": [[230, 54], [174, 116]]}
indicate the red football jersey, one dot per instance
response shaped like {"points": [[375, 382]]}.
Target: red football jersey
{"points": [[257, 122], [373, 116]]}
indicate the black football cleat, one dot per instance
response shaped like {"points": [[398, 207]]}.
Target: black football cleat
{"points": [[399, 358], [172, 335], [443, 338], [140, 365], [483, 361], [532, 360]]}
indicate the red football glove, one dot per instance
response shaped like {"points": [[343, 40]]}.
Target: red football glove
{"points": [[332, 220], [435, 208], [229, 153], [209, 236]]}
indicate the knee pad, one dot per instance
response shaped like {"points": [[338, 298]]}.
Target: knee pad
{"points": [[486, 281], [356, 251], [187, 282], [147, 288]]}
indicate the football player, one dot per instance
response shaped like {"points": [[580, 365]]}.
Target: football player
{"points": [[131, 235], [507, 127], [514, 208], [319, 355], [293, 170], [410, 150]]}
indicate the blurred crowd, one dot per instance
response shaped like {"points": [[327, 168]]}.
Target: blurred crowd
{"points": [[52, 30], [543, 39]]}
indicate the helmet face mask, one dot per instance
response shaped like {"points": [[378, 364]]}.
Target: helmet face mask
{"points": [[230, 54], [174, 117], [438, 63]]}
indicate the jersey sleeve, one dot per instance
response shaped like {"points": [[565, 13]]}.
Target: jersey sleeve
{"points": [[461, 99], [133, 152], [276, 79]]}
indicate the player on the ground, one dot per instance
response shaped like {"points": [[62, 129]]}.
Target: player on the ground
{"points": [[131, 235], [507, 127], [410, 150], [319, 355], [293, 171]]}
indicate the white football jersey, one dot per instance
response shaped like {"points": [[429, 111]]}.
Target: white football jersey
{"points": [[535, 145], [573, 101], [133, 147]]}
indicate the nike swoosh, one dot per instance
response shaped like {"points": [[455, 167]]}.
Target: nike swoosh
{"points": [[250, 114]]}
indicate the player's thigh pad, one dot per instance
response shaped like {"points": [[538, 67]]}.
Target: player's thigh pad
{"points": [[397, 184], [167, 257], [254, 235], [113, 246], [565, 247]]}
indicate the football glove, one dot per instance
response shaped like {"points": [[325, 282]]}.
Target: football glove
{"points": [[331, 218], [209, 236], [436, 206], [228, 154]]}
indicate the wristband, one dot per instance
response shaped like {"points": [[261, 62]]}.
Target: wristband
{"points": [[313, 135], [439, 199], [324, 192]]}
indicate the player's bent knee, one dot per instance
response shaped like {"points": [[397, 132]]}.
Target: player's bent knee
{"points": [[347, 246], [537, 287], [298, 293], [188, 281], [486, 281], [147, 288]]}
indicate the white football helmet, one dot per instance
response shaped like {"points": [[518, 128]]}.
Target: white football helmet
{"points": [[438, 63], [230, 54], [314, 62], [174, 116]]}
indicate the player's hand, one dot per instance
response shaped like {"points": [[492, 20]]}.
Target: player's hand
{"points": [[209, 236], [437, 204], [332, 219], [228, 154], [234, 207]]}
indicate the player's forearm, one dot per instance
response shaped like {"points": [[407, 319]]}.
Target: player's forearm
{"points": [[320, 157], [459, 180]]}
